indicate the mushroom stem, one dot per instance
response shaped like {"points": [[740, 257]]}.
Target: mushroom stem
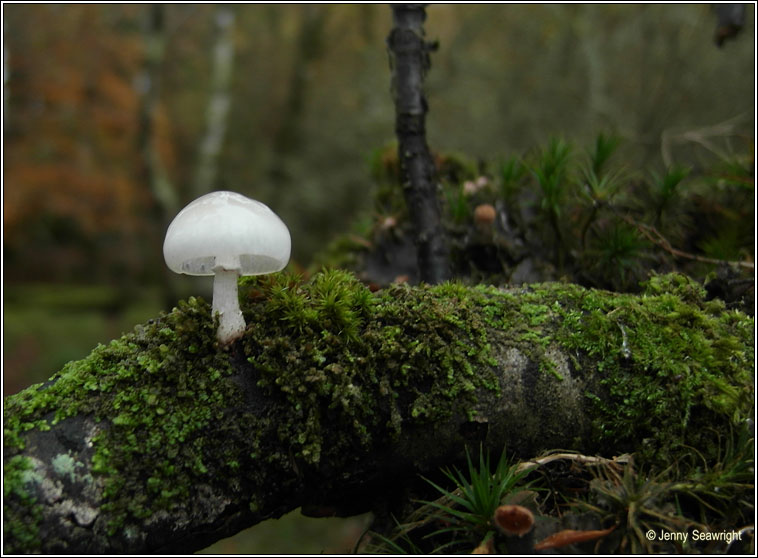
{"points": [[231, 324]]}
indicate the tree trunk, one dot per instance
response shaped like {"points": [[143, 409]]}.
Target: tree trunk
{"points": [[162, 442], [288, 138], [153, 171], [219, 102], [409, 59]]}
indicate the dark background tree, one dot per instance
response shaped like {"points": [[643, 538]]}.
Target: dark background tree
{"points": [[410, 61]]}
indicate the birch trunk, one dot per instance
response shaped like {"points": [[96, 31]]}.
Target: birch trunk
{"points": [[218, 105]]}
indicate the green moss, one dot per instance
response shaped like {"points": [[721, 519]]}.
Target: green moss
{"points": [[22, 513], [342, 371], [668, 366], [653, 359], [356, 353], [159, 387], [672, 365]]}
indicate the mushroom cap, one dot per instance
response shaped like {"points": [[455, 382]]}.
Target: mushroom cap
{"points": [[514, 520], [484, 214], [226, 230]]}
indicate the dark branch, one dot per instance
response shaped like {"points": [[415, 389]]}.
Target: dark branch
{"points": [[409, 59]]}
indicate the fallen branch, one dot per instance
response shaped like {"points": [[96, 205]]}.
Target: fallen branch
{"points": [[162, 442], [619, 461]]}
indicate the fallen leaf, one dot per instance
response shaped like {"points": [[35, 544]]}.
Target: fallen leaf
{"points": [[570, 536]]}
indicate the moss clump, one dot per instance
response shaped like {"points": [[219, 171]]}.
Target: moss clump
{"points": [[673, 366], [353, 366], [159, 387], [668, 366], [338, 369]]}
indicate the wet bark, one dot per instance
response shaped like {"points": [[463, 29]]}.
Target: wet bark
{"points": [[410, 60]]}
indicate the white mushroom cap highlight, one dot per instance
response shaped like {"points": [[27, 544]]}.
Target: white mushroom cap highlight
{"points": [[226, 235], [226, 230]]}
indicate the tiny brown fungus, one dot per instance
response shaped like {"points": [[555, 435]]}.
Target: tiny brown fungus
{"points": [[484, 215], [514, 520]]}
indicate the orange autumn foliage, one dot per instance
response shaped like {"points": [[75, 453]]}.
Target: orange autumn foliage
{"points": [[71, 145]]}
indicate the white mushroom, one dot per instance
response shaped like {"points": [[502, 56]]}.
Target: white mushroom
{"points": [[227, 235]]}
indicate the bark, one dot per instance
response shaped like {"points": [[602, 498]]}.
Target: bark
{"points": [[335, 397], [731, 20], [6, 87], [409, 59], [219, 102]]}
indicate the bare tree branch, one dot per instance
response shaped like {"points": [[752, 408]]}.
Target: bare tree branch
{"points": [[409, 59]]}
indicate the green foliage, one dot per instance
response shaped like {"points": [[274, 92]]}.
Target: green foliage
{"points": [[476, 496], [462, 516], [721, 488], [692, 493], [334, 304], [648, 334], [735, 169], [601, 189], [551, 173], [666, 189], [726, 244], [512, 172], [636, 503], [591, 220], [616, 256], [457, 205], [603, 150], [355, 365]]}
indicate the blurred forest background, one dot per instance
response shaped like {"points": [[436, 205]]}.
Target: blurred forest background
{"points": [[115, 116]]}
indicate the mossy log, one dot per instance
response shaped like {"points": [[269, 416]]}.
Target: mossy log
{"points": [[163, 442]]}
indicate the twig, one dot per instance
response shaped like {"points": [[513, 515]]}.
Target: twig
{"points": [[652, 234], [699, 136], [584, 459]]}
